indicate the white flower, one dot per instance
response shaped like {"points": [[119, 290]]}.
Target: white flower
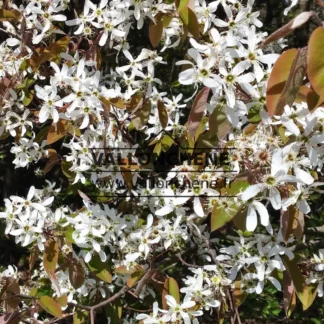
{"points": [[251, 220], [271, 181], [180, 311]]}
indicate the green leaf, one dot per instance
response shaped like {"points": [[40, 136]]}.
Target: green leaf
{"points": [[42, 134], [225, 209], [27, 83], [65, 166], [312, 293], [170, 288], [254, 114], [166, 20], [62, 300], [24, 65], [29, 95], [166, 142], [190, 20], [50, 306], [114, 312], [157, 148], [100, 269], [79, 317], [181, 4], [315, 60]]}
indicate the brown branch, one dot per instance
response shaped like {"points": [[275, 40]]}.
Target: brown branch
{"points": [[185, 263], [231, 305], [148, 275]]}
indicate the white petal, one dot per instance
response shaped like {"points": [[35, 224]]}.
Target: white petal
{"points": [[303, 176], [164, 210], [198, 208], [268, 58], [252, 191], [251, 219], [275, 282], [263, 212], [275, 198]]}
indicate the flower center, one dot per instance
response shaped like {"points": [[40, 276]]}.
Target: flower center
{"points": [[203, 72], [270, 181], [230, 78], [252, 57]]}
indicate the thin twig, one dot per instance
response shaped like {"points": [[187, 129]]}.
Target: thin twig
{"points": [[185, 263]]}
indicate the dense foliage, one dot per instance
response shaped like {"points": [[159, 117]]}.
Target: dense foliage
{"points": [[177, 156]]}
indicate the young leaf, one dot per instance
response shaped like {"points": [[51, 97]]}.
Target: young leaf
{"points": [[197, 111], [315, 61], [50, 256], [163, 115], [294, 81], [142, 115], [278, 79], [239, 295], [50, 306], [10, 15], [10, 318], [58, 131], [288, 293], [52, 161], [11, 287], [298, 281], [76, 274], [156, 32], [135, 276], [50, 53], [289, 222]]}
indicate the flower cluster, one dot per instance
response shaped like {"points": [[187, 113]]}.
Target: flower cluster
{"points": [[80, 93]]}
